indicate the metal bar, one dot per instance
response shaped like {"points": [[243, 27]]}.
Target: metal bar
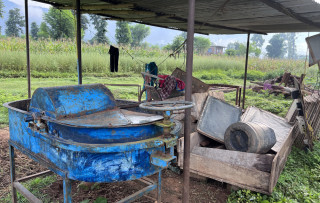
{"points": [[67, 196], [245, 72], [79, 61], [223, 85], [27, 46], [134, 85], [237, 93], [159, 187], [101, 7], [289, 12], [145, 181], [26, 193], [187, 123], [47, 172], [12, 173], [218, 26], [138, 194], [239, 97]]}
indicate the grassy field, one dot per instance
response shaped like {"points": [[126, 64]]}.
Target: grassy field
{"points": [[54, 64]]}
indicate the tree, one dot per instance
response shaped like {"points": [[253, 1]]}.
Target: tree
{"points": [[14, 24], [60, 23], [1, 9], [240, 49], [292, 48], [43, 31], [139, 32], [176, 43], [201, 44], [123, 33], [258, 39], [1, 12], [276, 47], [101, 26], [34, 30], [233, 45]]}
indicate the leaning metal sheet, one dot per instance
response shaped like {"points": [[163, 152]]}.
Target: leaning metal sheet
{"points": [[280, 126], [216, 117]]}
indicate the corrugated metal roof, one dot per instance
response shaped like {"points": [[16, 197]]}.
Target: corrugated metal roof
{"points": [[211, 16]]}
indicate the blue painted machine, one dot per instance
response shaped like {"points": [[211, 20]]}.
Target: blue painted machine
{"points": [[79, 133]]}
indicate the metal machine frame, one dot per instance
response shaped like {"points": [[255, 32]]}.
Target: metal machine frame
{"points": [[17, 186]]}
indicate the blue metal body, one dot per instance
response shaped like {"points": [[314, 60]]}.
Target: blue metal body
{"points": [[82, 135]]}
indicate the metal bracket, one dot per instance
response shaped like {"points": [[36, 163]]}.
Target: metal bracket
{"points": [[170, 141], [161, 159]]}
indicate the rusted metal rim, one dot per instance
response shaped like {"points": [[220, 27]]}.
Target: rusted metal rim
{"points": [[166, 105]]}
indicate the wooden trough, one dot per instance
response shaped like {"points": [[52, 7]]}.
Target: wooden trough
{"points": [[256, 172]]}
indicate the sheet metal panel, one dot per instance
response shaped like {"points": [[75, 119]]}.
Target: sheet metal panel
{"points": [[216, 117]]}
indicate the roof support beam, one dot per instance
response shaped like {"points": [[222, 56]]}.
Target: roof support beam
{"points": [[245, 71], [28, 47], [187, 120], [101, 7], [289, 12], [120, 12], [79, 61], [221, 26]]}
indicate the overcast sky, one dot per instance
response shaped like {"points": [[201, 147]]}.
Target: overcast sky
{"points": [[158, 36]]}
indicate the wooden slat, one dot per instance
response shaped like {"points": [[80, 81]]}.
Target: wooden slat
{"points": [[260, 162], [235, 175], [280, 160]]}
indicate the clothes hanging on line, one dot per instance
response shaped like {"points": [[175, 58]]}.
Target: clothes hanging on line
{"points": [[114, 58]]}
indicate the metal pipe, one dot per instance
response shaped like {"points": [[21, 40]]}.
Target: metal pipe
{"points": [[26, 193], [79, 61], [26, 16], [159, 187], [187, 123], [245, 71], [12, 174]]}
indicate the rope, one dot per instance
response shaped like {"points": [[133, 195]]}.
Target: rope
{"points": [[174, 52]]}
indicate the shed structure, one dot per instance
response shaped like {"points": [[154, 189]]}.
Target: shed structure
{"points": [[201, 16]]}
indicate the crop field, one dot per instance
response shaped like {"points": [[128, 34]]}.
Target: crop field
{"points": [[53, 63]]}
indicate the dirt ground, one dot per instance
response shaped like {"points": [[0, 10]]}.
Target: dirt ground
{"points": [[201, 191]]}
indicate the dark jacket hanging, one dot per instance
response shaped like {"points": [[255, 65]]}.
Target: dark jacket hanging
{"points": [[114, 58]]}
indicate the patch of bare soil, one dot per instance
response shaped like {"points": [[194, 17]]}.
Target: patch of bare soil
{"points": [[200, 191]]}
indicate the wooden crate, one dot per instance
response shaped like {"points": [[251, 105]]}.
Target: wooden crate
{"points": [[256, 172]]}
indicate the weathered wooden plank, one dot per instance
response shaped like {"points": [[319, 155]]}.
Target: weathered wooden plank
{"points": [[235, 175], [261, 162], [280, 160]]}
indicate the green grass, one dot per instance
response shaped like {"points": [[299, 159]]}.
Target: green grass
{"points": [[299, 181], [35, 186]]}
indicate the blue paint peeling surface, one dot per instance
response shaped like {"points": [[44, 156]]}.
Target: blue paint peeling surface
{"points": [[86, 153]]}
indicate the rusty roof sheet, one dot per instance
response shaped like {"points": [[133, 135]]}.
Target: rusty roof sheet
{"points": [[211, 17]]}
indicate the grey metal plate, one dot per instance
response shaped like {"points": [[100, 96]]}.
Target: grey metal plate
{"points": [[111, 118], [216, 117], [314, 48]]}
